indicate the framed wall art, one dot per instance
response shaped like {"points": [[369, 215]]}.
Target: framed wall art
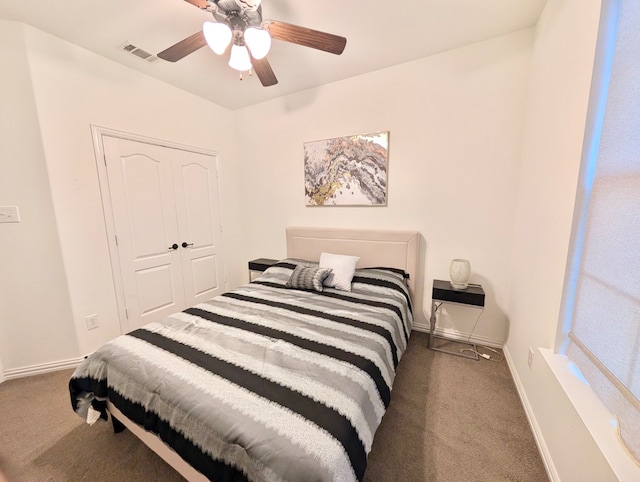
{"points": [[347, 171]]}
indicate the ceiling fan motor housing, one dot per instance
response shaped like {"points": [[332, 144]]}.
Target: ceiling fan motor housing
{"points": [[248, 4], [228, 12]]}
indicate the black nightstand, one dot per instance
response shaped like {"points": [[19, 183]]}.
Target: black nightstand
{"points": [[259, 265], [442, 292]]}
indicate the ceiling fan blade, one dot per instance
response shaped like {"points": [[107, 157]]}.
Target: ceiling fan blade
{"points": [[184, 47], [264, 71], [305, 36], [198, 3]]}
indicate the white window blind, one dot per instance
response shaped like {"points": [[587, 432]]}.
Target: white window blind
{"points": [[605, 318]]}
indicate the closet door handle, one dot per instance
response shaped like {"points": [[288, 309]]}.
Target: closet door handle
{"points": [[186, 245], [173, 246]]}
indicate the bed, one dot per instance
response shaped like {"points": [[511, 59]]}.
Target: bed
{"points": [[283, 378]]}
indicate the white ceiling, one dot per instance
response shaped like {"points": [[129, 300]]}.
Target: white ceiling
{"points": [[379, 34]]}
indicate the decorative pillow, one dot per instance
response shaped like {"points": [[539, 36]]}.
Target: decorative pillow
{"points": [[343, 269], [305, 278]]}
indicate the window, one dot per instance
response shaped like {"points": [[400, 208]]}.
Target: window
{"points": [[602, 294]]}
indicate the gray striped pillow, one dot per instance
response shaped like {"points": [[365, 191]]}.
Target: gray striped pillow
{"points": [[305, 278]]}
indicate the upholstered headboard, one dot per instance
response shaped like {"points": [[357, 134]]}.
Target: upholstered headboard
{"points": [[394, 249]]}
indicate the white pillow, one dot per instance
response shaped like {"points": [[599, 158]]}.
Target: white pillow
{"points": [[343, 268]]}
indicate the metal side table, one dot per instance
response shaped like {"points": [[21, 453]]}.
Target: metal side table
{"points": [[442, 292]]}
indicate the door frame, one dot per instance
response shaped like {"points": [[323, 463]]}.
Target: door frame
{"points": [[97, 134]]}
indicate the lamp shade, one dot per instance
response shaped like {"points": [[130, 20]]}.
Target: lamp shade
{"points": [[239, 59], [258, 41], [460, 273], [217, 35]]}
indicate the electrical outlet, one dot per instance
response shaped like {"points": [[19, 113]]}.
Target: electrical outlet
{"points": [[92, 322], [530, 359]]}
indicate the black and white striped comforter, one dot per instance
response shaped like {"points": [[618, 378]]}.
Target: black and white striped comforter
{"points": [[262, 382]]}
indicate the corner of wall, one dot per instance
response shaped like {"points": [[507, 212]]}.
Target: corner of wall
{"points": [[35, 307]]}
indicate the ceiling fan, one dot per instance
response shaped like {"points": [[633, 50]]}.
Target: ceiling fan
{"points": [[239, 23]]}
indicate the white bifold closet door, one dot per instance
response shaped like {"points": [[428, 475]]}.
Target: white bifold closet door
{"points": [[165, 212]]}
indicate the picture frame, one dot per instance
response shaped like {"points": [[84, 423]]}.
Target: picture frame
{"points": [[347, 171]]}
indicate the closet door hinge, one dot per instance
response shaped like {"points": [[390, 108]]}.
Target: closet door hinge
{"points": [[126, 313], [116, 236]]}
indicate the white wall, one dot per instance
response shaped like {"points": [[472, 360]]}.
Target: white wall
{"points": [[455, 122], [61, 90], [562, 64], [35, 308]]}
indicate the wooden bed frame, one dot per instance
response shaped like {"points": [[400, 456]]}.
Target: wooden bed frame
{"points": [[393, 249]]}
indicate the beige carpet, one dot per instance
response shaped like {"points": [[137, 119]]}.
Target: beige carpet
{"points": [[450, 419]]}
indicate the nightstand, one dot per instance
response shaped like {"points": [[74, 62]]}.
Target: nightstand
{"points": [[259, 265], [442, 292]]}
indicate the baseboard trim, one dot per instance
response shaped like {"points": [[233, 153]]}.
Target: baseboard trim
{"points": [[533, 422], [459, 336], [40, 369]]}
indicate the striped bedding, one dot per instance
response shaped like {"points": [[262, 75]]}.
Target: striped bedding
{"points": [[263, 382]]}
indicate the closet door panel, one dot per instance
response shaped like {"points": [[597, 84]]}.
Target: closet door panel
{"points": [[196, 199], [144, 214], [204, 271]]}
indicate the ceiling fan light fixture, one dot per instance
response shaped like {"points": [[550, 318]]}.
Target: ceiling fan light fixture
{"points": [[232, 20], [239, 58], [258, 41], [217, 35]]}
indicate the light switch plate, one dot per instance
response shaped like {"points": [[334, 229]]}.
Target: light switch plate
{"points": [[9, 214]]}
